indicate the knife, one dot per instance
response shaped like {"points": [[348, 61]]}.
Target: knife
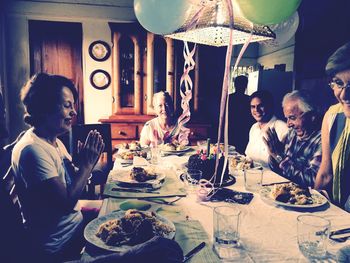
{"points": [[193, 252], [132, 190], [285, 182], [340, 234]]}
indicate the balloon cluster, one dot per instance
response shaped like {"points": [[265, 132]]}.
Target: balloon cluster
{"points": [[161, 16]]}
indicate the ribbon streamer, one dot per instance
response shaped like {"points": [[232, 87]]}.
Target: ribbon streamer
{"points": [[224, 94]]}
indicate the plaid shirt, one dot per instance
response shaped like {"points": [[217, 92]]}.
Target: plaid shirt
{"points": [[303, 158]]}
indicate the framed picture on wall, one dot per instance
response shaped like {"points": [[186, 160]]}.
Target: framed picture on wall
{"points": [[99, 50], [100, 79]]}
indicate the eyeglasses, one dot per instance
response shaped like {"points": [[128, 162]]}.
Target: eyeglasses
{"points": [[338, 85]]}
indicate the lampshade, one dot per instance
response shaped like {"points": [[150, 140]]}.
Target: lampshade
{"points": [[213, 27]]}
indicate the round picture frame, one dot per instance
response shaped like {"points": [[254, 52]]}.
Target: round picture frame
{"points": [[100, 79], [99, 50]]}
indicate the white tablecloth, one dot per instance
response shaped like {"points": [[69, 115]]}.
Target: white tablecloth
{"points": [[268, 232]]}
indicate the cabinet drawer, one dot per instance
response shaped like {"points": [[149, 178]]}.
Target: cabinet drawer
{"points": [[123, 131]]}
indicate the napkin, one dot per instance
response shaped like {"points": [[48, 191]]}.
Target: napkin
{"points": [[231, 196], [140, 161]]}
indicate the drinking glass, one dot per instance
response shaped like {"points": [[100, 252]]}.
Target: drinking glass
{"points": [[192, 177], [313, 234], [155, 155], [226, 231], [253, 179]]}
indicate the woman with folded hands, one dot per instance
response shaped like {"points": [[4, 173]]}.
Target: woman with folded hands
{"points": [[48, 184]]}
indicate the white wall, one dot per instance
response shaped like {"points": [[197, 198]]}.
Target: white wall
{"points": [[97, 103], [271, 56]]}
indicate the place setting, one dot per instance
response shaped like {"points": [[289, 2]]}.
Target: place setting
{"points": [[143, 182]]}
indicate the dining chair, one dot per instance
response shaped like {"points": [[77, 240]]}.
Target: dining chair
{"points": [[104, 165], [14, 238]]}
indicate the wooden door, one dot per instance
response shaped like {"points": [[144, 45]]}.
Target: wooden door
{"points": [[56, 48]]}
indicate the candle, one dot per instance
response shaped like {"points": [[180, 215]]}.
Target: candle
{"points": [[208, 147]]}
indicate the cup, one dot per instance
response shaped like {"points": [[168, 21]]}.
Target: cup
{"points": [[155, 155], [226, 231], [253, 179], [192, 177], [313, 234]]}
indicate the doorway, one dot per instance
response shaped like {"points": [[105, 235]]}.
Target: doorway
{"points": [[56, 48]]}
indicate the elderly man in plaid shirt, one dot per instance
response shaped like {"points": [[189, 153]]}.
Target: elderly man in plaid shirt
{"points": [[298, 157]]}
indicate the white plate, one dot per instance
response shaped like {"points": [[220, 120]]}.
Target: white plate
{"points": [[121, 160], [123, 177], [187, 148], [92, 228], [317, 198]]}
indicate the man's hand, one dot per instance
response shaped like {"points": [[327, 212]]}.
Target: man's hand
{"points": [[274, 146]]}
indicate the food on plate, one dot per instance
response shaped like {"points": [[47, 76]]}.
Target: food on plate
{"points": [[240, 162], [133, 146], [291, 193], [141, 175], [135, 227], [130, 155], [173, 146], [201, 161]]}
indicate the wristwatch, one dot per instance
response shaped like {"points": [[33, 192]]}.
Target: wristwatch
{"points": [[279, 158]]}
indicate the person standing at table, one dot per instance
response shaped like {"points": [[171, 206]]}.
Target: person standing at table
{"points": [[164, 128], [239, 118], [48, 184], [298, 158], [261, 108], [334, 174]]}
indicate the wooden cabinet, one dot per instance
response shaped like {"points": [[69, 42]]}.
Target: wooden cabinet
{"points": [[143, 64]]}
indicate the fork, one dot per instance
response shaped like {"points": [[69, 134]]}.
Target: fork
{"points": [[161, 201]]}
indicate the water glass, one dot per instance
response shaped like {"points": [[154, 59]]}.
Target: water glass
{"points": [[253, 179], [155, 155], [192, 177], [313, 234], [226, 231]]}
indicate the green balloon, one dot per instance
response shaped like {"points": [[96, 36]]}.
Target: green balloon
{"points": [[268, 12]]}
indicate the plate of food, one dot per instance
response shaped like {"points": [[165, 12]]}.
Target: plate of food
{"points": [[174, 148], [291, 195], [240, 163], [128, 156], [130, 146], [121, 230], [140, 176]]}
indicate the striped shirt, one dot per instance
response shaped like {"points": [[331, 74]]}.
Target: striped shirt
{"points": [[302, 158]]}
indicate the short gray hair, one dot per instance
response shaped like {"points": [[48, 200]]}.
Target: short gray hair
{"points": [[166, 96], [303, 98]]}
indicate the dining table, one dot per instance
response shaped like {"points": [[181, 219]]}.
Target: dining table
{"points": [[268, 230]]}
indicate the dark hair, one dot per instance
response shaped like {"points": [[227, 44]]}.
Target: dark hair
{"points": [[339, 60], [265, 96], [41, 95], [241, 83]]}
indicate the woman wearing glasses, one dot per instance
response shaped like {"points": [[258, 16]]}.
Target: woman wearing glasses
{"points": [[334, 173]]}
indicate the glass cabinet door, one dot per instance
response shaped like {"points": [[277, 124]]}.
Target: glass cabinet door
{"points": [[160, 68], [127, 74], [127, 88]]}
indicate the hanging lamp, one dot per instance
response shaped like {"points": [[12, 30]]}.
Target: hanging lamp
{"points": [[213, 26]]}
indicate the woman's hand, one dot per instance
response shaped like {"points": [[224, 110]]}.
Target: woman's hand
{"points": [[90, 151], [274, 146]]}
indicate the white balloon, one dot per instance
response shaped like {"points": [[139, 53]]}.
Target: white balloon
{"points": [[284, 31]]}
